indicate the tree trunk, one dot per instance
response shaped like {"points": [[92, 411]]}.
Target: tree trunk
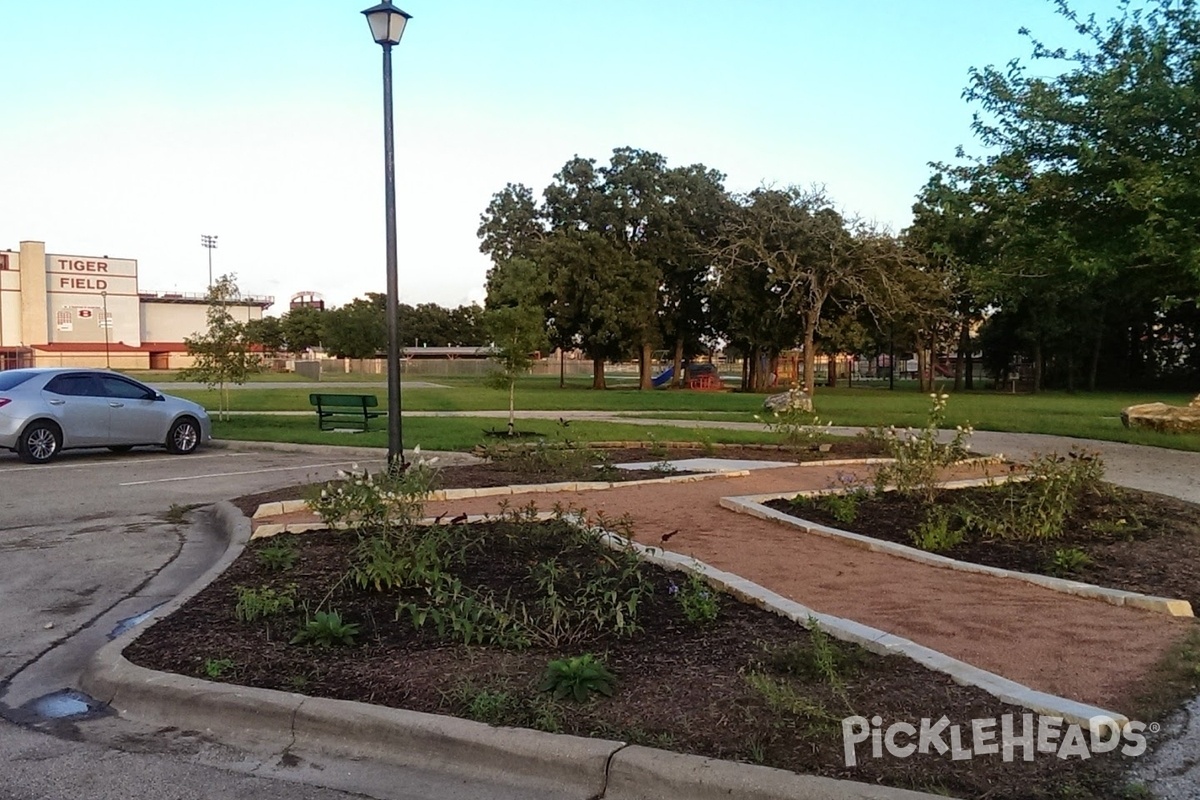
{"points": [[677, 364], [933, 359], [745, 373], [1070, 373], [850, 361], [598, 373], [831, 377], [562, 368], [922, 373], [1094, 366], [512, 413], [964, 342], [645, 379], [810, 361], [1037, 365]]}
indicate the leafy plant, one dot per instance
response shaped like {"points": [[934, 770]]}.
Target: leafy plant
{"points": [[576, 604], [383, 501], [216, 667], [1069, 560], [578, 678], [326, 629], [279, 556], [937, 533], [698, 600], [253, 604], [1037, 509], [919, 455], [492, 706], [782, 697], [843, 506]]}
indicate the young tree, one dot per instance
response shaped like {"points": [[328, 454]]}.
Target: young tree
{"points": [[221, 353], [515, 322]]}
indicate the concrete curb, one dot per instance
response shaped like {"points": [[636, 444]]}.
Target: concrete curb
{"points": [[526, 759], [642, 773], [875, 640], [466, 750], [447, 457], [753, 506], [445, 495]]}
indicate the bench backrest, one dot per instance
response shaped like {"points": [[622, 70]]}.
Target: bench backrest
{"points": [[353, 400]]}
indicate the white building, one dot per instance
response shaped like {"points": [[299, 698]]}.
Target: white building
{"points": [[70, 310]]}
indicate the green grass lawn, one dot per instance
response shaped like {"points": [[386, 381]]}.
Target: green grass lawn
{"points": [[463, 433], [1085, 415]]}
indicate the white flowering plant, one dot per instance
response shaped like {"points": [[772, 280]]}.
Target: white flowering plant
{"points": [[919, 454], [386, 501]]}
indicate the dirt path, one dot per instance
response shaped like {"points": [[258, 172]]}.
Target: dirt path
{"points": [[1082, 649]]}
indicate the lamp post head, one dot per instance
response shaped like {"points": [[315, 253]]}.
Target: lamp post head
{"points": [[387, 23]]}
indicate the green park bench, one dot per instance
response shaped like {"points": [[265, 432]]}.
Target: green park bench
{"points": [[338, 410]]}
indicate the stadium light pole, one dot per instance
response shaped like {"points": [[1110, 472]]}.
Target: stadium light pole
{"points": [[387, 26], [210, 243]]}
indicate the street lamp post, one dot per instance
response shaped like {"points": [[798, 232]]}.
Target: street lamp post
{"points": [[104, 322], [387, 26], [209, 242]]}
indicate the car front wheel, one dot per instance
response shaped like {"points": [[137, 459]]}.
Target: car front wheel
{"points": [[39, 443], [184, 436]]}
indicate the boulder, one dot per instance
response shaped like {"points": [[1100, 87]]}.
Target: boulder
{"points": [[793, 398], [1162, 417]]}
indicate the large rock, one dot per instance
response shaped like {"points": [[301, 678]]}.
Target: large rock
{"points": [[793, 398], [1162, 417]]}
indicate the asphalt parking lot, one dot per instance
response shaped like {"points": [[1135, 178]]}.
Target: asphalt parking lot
{"points": [[99, 484], [86, 540]]}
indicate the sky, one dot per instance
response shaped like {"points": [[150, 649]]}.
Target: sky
{"points": [[129, 128]]}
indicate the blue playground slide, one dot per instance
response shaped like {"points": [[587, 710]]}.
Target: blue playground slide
{"points": [[664, 377]]}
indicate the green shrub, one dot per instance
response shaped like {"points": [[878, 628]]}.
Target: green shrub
{"points": [[216, 667], [279, 556], [325, 629], [253, 604], [1068, 561], [699, 601], [937, 533], [1037, 509], [918, 455], [375, 502], [578, 678]]}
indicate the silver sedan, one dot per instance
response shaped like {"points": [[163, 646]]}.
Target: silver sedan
{"points": [[43, 411]]}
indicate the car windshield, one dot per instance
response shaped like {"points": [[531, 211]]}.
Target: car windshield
{"points": [[14, 378]]}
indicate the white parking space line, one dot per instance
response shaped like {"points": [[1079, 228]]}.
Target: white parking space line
{"points": [[234, 474], [116, 461]]}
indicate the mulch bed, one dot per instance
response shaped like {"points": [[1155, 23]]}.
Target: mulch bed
{"points": [[1137, 541], [681, 686]]}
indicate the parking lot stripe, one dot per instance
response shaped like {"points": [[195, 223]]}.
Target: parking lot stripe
{"points": [[116, 461], [234, 474]]}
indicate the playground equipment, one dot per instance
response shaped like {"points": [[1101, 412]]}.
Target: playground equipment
{"points": [[664, 377]]}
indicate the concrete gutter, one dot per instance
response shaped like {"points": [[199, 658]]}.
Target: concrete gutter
{"points": [[753, 505], [526, 760]]}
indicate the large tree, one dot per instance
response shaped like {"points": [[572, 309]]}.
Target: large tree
{"points": [[357, 329], [1092, 171]]}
